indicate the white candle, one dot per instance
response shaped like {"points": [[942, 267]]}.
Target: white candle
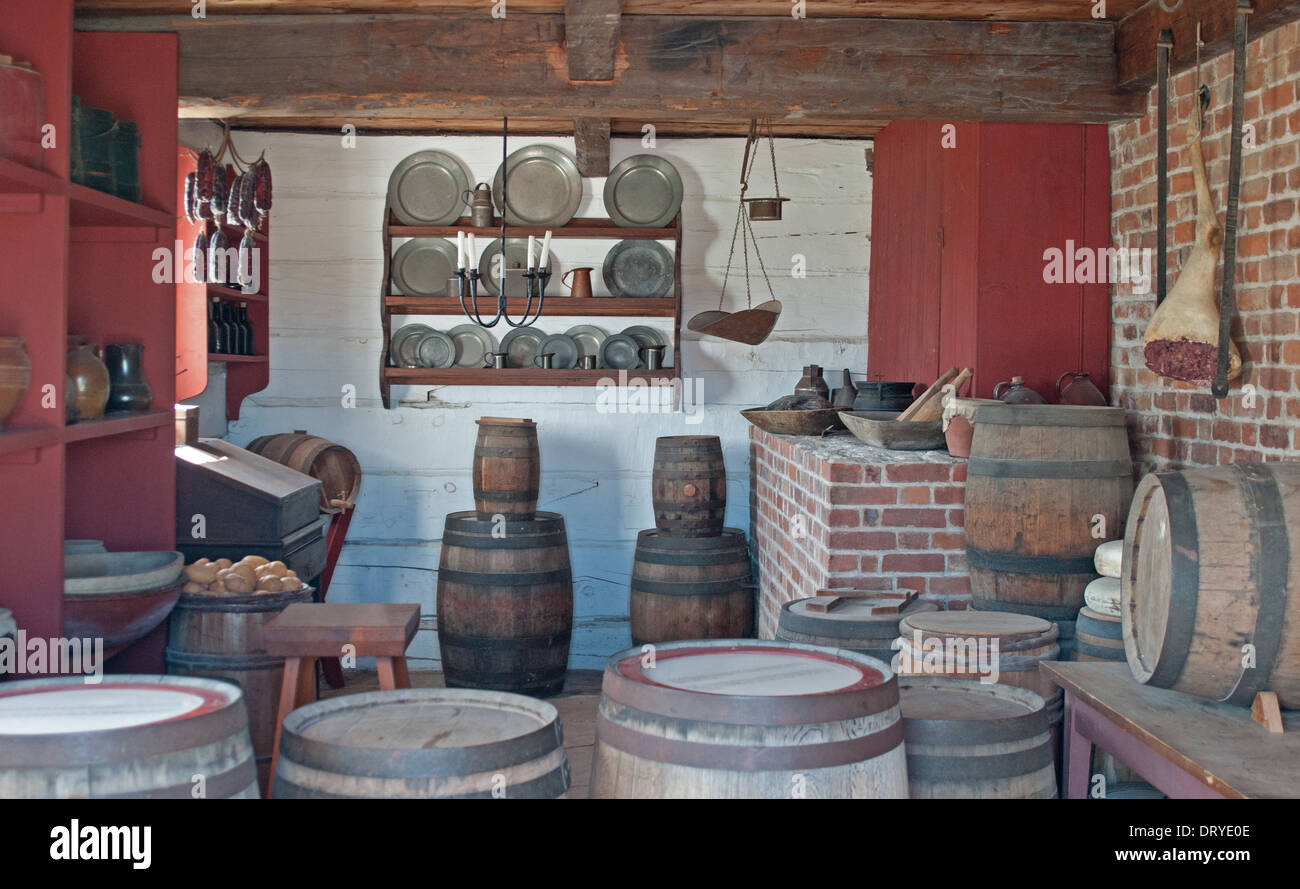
{"points": [[532, 252], [546, 248], [471, 252], [460, 250]]}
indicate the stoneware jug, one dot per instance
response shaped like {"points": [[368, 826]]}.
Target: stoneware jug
{"points": [[1080, 390], [1017, 392], [128, 390], [89, 392], [15, 375]]}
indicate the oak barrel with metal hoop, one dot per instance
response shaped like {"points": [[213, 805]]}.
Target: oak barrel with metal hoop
{"points": [[689, 485], [690, 587], [507, 467], [337, 468]]}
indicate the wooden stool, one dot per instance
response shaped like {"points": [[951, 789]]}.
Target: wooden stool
{"points": [[306, 631]]}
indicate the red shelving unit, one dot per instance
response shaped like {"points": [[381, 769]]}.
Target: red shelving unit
{"points": [[79, 261]]}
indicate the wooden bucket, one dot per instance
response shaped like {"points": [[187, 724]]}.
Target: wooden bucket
{"points": [[507, 468], [129, 737], [1060, 466], [971, 741], [1097, 637], [505, 603], [689, 485], [219, 636], [1212, 564], [427, 743], [690, 587], [337, 468], [744, 719], [851, 625]]}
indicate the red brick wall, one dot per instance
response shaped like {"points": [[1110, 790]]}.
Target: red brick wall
{"points": [[835, 513], [1176, 424]]}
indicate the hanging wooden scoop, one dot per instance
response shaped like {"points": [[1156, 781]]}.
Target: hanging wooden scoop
{"points": [[1182, 339], [750, 326]]}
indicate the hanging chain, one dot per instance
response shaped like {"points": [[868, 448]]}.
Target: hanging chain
{"points": [[771, 146], [744, 227]]}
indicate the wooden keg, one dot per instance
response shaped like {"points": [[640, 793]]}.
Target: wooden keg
{"points": [[689, 485], [690, 587], [425, 743], [744, 719], [505, 603], [856, 623], [971, 741], [129, 737], [1212, 564], [507, 467], [219, 636], [1038, 476], [337, 468], [1097, 637]]}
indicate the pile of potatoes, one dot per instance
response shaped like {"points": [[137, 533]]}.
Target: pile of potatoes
{"points": [[251, 574]]}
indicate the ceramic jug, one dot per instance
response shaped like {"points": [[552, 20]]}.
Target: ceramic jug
{"points": [[1080, 390], [15, 375], [1017, 392], [90, 384], [128, 390]]}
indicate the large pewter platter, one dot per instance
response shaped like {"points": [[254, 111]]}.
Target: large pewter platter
{"points": [[545, 187], [428, 188], [639, 269], [422, 266], [643, 191], [516, 258]]}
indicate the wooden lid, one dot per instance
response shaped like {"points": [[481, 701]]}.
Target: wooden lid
{"points": [[1003, 624], [504, 421], [958, 699]]}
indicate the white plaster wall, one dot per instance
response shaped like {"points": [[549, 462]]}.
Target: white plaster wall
{"points": [[326, 265]]}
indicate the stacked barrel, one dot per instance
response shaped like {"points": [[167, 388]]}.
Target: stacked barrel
{"points": [[690, 575], [505, 586]]}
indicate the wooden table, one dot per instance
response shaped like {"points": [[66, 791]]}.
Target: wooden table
{"points": [[1188, 748]]}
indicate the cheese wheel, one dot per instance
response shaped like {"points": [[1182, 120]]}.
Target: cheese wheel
{"points": [[1108, 558], [1102, 596]]}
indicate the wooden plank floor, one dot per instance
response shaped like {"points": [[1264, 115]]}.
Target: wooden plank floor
{"points": [[576, 704]]}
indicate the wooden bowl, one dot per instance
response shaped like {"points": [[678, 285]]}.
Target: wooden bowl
{"points": [[794, 422], [884, 430], [119, 618]]}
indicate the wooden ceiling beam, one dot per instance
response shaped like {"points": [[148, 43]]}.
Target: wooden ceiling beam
{"points": [[1135, 38], [692, 127], [479, 67], [591, 38]]}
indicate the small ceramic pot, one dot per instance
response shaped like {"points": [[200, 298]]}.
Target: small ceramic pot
{"points": [[90, 384], [15, 375], [128, 390]]}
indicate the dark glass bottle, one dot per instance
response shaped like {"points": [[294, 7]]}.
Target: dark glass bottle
{"points": [[246, 328], [216, 330], [232, 329]]}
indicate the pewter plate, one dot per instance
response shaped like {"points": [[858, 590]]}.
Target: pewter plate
{"points": [[422, 266], [648, 336], [435, 349], [564, 349], [520, 346], [643, 191], [516, 258], [544, 188], [589, 339], [473, 345], [428, 188], [620, 352], [638, 269], [402, 350]]}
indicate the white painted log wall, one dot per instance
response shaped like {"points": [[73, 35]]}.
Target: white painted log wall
{"points": [[326, 264]]}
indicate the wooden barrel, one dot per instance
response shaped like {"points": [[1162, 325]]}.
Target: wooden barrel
{"points": [[689, 485], [1097, 637], [971, 741], [507, 467], [690, 587], [744, 719], [1060, 466], [852, 625], [505, 603], [1212, 564], [337, 468], [129, 737], [425, 743], [219, 636]]}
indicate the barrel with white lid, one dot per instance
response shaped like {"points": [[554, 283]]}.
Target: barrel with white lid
{"points": [[744, 719], [427, 743], [863, 623], [970, 740], [129, 736]]}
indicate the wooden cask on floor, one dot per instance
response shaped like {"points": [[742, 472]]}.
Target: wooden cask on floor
{"points": [[1038, 477], [1098, 637], [689, 485], [690, 587], [336, 467], [1212, 565], [428, 743], [220, 637], [505, 603], [852, 625], [129, 737], [744, 719], [966, 740], [507, 467]]}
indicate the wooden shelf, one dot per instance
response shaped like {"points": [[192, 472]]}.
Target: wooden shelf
{"points": [[607, 306], [237, 359], [518, 376], [95, 208], [117, 424], [231, 293], [575, 228], [16, 440], [16, 178]]}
